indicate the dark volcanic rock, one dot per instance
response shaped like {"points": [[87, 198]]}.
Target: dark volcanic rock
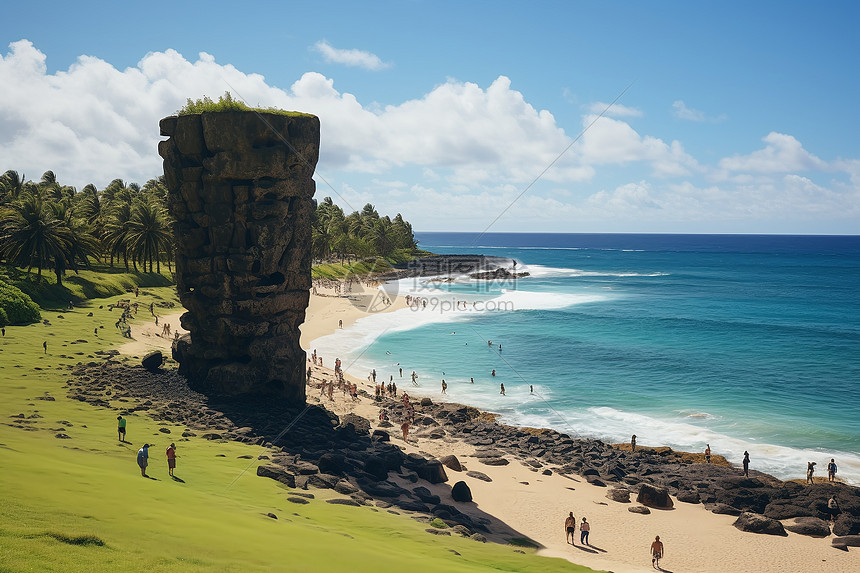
{"points": [[688, 496], [655, 497], [331, 463], [620, 495], [358, 424], [153, 361], [479, 475], [846, 525], [424, 495], [494, 461], [430, 470], [451, 462], [240, 186], [846, 541], [278, 474], [723, 509], [756, 523], [639, 509], [342, 501], [461, 492], [811, 526]]}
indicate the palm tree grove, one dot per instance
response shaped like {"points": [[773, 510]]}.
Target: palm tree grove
{"points": [[50, 229]]}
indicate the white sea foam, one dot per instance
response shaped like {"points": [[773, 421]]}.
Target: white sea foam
{"points": [[686, 434], [531, 300], [541, 271]]}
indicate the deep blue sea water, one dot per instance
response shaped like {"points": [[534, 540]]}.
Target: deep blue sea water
{"points": [[743, 342]]}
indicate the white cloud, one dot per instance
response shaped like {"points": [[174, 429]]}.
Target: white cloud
{"points": [[353, 58], [615, 110], [689, 114], [455, 156], [782, 154], [611, 141]]}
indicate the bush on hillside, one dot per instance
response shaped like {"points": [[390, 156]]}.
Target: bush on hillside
{"points": [[16, 307]]}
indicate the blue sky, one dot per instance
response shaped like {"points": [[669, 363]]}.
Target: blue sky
{"points": [[739, 118]]}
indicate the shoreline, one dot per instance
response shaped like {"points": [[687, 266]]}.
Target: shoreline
{"points": [[532, 501], [688, 526], [675, 427]]}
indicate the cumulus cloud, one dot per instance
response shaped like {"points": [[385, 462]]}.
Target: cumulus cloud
{"points": [[463, 149], [782, 154], [611, 141], [353, 58]]}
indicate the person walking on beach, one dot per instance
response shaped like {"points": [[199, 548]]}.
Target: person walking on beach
{"points": [[810, 472], [171, 458], [584, 528], [404, 427], [656, 552], [143, 459], [746, 463], [502, 389], [444, 387], [633, 443], [120, 428], [708, 453], [570, 529], [831, 470]]}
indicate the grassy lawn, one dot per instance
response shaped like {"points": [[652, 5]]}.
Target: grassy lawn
{"points": [[80, 504]]}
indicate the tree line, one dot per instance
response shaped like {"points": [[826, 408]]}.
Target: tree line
{"points": [[361, 234], [49, 226], [45, 225]]}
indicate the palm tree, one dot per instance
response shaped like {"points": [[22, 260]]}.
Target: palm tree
{"points": [[149, 234], [31, 235], [11, 186], [115, 233]]}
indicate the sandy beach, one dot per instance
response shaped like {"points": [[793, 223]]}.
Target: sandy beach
{"points": [[536, 505]]}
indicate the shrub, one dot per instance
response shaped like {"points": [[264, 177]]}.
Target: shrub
{"points": [[16, 307], [226, 103]]}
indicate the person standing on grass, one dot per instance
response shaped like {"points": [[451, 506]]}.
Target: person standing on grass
{"points": [[143, 459], [171, 458], [570, 529], [583, 532], [120, 428], [656, 552]]}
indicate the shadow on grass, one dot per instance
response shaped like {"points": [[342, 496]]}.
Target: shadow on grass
{"points": [[180, 480]]}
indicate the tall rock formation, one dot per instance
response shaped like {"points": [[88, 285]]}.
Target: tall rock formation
{"points": [[240, 187]]}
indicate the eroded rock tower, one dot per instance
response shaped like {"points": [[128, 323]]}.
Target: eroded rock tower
{"points": [[240, 187]]}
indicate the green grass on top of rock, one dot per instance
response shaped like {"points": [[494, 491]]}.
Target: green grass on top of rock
{"points": [[227, 103]]}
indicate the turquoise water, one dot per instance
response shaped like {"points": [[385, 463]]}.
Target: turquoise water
{"points": [[744, 342]]}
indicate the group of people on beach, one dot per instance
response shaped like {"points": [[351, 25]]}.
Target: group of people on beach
{"points": [[570, 527], [570, 530], [831, 471]]}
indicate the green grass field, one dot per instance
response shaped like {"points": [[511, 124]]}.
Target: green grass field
{"points": [[80, 504]]}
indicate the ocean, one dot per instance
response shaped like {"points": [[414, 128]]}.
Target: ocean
{"points": [[743, 342]]}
